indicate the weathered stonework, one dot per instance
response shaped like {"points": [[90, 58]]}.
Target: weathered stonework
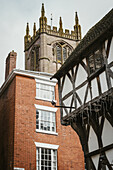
{"points": [[46, 38]]}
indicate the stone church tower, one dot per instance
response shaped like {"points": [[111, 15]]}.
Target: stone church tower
{"points": [[49, 47]]}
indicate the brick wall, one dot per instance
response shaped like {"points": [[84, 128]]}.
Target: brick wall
{"points": [[7, 115], [70, 155]]}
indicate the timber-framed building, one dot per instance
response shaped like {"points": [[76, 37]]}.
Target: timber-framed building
{"points": [[86, 86]]}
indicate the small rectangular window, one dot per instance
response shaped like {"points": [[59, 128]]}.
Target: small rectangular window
{"points": [[45, 121], [44, 91]]}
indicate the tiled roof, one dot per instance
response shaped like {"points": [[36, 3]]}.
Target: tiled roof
{"points": [[97, 33]]}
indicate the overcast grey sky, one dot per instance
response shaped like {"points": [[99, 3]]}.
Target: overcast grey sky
{"points": [[14, 14]]}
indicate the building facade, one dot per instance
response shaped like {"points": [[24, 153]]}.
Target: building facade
{"points": [[31, 134], [86, 86]]}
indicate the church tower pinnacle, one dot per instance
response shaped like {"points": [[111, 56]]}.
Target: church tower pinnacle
{"points": [[34, 30], [77, 27], [43, 20], [27, 30], [27, 36], [60, 26], [42, 11]]}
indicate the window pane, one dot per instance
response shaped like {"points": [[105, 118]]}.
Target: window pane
{"points": [[47, 121], [45, 91], [58, 52], [47, 161], [64, 54]]}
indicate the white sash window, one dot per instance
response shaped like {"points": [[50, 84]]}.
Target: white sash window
{"points": [[45, 120], [45, 90], [46, 156]]}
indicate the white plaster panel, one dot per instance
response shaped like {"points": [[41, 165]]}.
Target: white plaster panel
{"points": [[107, 134], [111, 81], [110, 56], [64, 113], [92, 142], [81, 76], [70, 72], [67, 86], [67, 102], [84, 60], [94, 88], [81, 92], [103, 82], [95, 160], [111, 68], [109, 155]]}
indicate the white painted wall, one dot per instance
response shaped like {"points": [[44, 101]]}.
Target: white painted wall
{"points": [[67, 86], [109, 155], [103, 82], [81, 76], [95, 160], [67, 102], [107, 134], [94, 88], [81, 92], [92, 142]]}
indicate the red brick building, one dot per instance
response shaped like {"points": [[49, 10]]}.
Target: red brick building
{"points": [[21, 138], [31, 135]]}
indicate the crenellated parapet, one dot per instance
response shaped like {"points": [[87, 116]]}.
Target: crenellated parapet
{"points": [[44, 28]]}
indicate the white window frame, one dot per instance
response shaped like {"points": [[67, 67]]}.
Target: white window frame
{"points": [[46, 146], [50, 109], [45, 82]]}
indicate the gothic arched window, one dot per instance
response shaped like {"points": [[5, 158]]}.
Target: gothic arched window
{"points": [[34, 64], [62, 51]]}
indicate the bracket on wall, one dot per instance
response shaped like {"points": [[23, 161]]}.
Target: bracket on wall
{"points": [[54, 104]]}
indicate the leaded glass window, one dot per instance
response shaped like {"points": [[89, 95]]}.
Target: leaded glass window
{"points": [[45, 121], [62, 51], [58, 51]]}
